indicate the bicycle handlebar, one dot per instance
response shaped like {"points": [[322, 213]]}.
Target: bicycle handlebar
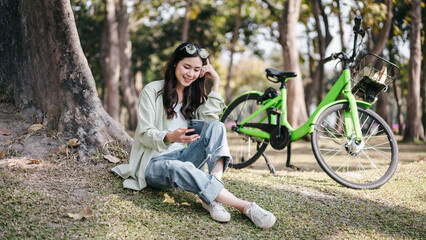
{"points": [[330, 58], [358, 20], [341, 55]]}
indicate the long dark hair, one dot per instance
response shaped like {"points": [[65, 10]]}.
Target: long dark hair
{"points": [[194, 94]]}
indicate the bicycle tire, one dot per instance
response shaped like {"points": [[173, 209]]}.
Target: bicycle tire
{"points": [[240, 145], [366, 167]]}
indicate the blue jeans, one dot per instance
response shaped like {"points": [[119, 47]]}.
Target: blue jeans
{"points": [[181, 168]]}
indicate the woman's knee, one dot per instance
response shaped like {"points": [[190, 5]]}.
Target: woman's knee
{"points": [[216, 126]]}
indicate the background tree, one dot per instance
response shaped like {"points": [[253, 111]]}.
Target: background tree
{"points": [[315, 89], [414, 130], [130, 95], [112, 61], [46, 68], [235, 36], [287, 23], [185, 25]]}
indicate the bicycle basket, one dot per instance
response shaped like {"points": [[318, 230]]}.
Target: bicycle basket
{"points": [[372, 75]]}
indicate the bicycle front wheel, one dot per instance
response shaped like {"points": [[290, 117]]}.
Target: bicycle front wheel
{"points": [[245, 149], [365, 165]]}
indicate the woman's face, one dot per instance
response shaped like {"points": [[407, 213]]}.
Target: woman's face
{"points": [[187, 71]]}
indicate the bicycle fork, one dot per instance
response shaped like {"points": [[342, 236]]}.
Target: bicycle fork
{"points": [[354, 145]]}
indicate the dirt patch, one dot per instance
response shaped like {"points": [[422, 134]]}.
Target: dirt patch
{"points": [[18, 139]]}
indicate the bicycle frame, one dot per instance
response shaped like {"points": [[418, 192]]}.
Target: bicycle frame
{"points": [[342, 85]]}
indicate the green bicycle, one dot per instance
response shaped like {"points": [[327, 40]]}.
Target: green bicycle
{"points": [[351, 143]]}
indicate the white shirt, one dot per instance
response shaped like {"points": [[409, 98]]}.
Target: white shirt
{"points": [[178, 121]]}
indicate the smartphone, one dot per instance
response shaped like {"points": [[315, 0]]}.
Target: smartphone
{"points": [[197, 125]]}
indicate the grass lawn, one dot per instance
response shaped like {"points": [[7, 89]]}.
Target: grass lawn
{"points": [[35, 200]]}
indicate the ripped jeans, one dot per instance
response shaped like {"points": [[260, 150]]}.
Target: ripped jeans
{"points": [[182, 168]]}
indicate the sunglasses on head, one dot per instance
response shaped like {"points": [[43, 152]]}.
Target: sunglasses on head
{"points": [[191, 49]]}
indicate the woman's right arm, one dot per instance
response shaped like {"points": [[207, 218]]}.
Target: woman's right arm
{"points": [[150, 136]]}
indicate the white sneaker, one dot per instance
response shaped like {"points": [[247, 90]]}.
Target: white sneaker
{"points": [[260, 217], [217, 211]]}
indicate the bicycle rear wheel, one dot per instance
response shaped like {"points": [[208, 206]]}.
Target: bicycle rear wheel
{"points": [[245, 149], [365, 165]]}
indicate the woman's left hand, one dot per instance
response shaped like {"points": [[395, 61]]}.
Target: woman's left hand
{"points": [[209, 71]]}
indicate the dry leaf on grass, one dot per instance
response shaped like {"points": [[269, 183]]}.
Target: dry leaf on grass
{"points": [[74, 142], [33, 161], [112, 158], [85, 212], [63, 149], [168, 199], [2, 154], [5, 131], [35, 127]]}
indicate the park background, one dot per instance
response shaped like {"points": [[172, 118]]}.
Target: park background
{"points": [[244, 38]]}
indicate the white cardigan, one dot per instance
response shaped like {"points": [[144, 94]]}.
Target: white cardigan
{"points": [[151, 130]]}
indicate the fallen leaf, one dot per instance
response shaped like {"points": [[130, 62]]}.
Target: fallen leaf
{"points": [[85, 212], [35, 127], [5, 131], [3, 97], [33, 161], [168, 199], [74, 142], [63, 149], [2, 154], [185, 204], [112, 158]]}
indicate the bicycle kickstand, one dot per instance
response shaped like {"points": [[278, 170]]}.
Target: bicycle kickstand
{"points": [[288, 159], [268, 163]]}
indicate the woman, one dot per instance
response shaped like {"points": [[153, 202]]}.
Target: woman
{"points": [[165, 154]]}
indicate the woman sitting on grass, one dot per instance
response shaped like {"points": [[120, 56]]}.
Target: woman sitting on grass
{"points": [[166, 155]]}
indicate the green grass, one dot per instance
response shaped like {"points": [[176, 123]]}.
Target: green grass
{"points": [[34, 203]]}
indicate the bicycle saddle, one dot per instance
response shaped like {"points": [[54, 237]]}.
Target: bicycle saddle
{"points": [[278, 75]]}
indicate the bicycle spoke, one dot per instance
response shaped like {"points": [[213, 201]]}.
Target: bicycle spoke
{"points": [[355, 165]]}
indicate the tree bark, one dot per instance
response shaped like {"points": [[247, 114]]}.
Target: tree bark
{"points": [[296, 106], [185, 26], [45, 67], [341, 31], [234, 39], [414, 129], [112, 60], [423, 74], [378, 44], [130, 96], [380, 39], [317, 85]]}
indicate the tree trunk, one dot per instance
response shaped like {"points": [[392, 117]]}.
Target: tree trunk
{"points": [[341, 32], [235, 35], [112, 60], [130, 96], [317, 84], [185, 26], [45, 67], [423, 74], [414, 129], [383, 107], [380, 39], [138, 77], [398, 98], [297, 114], [378, 44]]}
